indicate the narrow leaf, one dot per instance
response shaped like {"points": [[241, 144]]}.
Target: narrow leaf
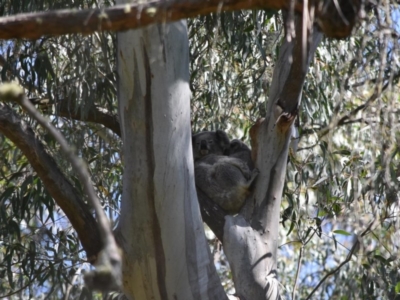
{"points": [[342, 232]]}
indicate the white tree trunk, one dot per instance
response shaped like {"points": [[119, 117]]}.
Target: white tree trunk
{"points": [[166, 255]]}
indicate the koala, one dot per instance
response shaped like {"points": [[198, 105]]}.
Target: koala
{"points": [[225, 180], [240, 150], [209, 142]]}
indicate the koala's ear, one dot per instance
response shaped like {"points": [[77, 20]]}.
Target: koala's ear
{"points": [[223, 139], [235, 144]]}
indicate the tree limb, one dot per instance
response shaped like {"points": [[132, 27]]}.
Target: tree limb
{"points": [[304, 43], [284, 97], [133, 16], [59, 187], [95, 114], [108, 275], [251, 238]]}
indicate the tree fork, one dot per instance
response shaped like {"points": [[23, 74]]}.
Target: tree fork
{"points": [[251, 238]]}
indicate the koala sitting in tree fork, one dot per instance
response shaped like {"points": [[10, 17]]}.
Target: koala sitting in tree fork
{"points": [[224, 179]]}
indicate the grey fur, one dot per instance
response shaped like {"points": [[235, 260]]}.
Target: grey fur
{"points": [[209, 142], [225, 180], [240, 150]]}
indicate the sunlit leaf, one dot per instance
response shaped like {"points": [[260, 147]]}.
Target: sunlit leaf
{"points": [[341, 232]]}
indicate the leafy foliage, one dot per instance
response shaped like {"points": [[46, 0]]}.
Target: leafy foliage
{"points": [[40, 252], [232, 56], [343, 178], [345, 174]]}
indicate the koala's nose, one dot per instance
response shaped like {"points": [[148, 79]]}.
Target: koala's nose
{"points": [[203, 145]]}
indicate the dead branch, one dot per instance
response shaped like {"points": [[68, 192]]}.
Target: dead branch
{"points": [[132, 16]]}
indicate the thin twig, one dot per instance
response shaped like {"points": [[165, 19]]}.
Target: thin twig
{"points": [[348, 258], [343, 120], [77, 163], [31, 280], [299, 263]]}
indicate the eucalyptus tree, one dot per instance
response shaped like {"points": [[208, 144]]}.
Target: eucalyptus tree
{"points": [[340, 196]]}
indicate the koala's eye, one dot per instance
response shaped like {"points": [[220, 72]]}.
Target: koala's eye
{"points": [[210, 141]]}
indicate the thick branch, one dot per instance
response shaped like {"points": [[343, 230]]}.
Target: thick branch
{"points": [[62, 191], [108, 275], [120, 17], [266, 215], [124, 17], [291, 91], [68, 109], [251, 238]]}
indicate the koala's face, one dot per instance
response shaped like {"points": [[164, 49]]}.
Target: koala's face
{"points": [[209, 142]]}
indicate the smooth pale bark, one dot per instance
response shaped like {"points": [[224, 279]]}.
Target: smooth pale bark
{"points": [[166, 255], [251, 238]]}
